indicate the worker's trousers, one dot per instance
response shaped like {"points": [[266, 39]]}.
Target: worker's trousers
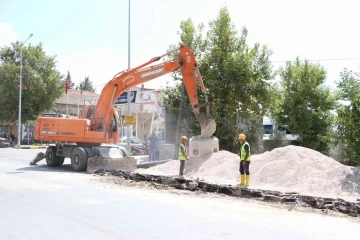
{"points": [[182, 167], [244, 169], [152, 151]]}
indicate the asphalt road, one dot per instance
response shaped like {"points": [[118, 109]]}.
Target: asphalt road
{"points": [[37, 202]]}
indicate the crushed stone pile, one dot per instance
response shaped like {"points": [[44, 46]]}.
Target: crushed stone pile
{"points": [[289, 168]]}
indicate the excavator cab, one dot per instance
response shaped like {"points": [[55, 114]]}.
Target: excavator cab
{"points": [[114, 127], [108, 124]]}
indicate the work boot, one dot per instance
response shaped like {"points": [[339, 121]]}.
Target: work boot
{"points": [[247, 181], [242, 179]]}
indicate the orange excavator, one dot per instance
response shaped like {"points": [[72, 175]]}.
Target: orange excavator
{"points": [[90, 140]]}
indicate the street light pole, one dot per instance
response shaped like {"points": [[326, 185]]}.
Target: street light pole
{"points": [[20, 90], [129, 91]]}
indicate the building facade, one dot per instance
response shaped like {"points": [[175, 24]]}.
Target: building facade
{"points": [[148, 112], [73, 102]]}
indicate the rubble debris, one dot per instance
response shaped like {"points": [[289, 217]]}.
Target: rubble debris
{"points": [[292, 198]]}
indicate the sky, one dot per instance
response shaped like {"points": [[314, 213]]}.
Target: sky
{"points": [[90, 37]]}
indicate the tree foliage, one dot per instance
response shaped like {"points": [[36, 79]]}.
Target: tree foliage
{"points": [[307, 104], [71, 82], [348, 119], [86, 85], [171, 96], [235, 74], [254, 132], [42, 83]]}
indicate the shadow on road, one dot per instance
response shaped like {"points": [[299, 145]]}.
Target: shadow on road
{"points": [[13, 172], [45, 168]]}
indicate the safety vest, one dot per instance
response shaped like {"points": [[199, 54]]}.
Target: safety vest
{"points": [[181, 156], [243, 152]]}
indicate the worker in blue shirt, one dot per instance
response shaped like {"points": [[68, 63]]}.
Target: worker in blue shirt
{"points": [[153, 141]]}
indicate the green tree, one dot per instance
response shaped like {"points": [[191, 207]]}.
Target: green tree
{"points": [[254, 131], [171, 97], [348, 118], [307, 104], [276, 99], [236, 75], [71, 83], [42, 83], [193, 37], [86, 85]]}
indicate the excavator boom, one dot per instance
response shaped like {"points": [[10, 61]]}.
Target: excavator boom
{"points": [[126, 80], [186, 62]]}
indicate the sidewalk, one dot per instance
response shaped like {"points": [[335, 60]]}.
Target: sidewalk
{"points": [[31, 147]]}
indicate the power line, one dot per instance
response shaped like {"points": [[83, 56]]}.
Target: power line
{"points": [[284, 61], [319, 60]]}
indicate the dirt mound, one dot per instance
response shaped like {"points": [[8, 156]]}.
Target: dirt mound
{"points": [[304, 170], [289, 168]]}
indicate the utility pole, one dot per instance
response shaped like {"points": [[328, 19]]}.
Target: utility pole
{"points": [[180, 113], [165, 122], [20, 91], [129, 91]]}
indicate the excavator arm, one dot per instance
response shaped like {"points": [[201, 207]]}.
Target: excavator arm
{"points": [[125, 80]]}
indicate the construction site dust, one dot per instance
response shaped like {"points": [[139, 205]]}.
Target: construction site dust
{"points": [[289, 168]]}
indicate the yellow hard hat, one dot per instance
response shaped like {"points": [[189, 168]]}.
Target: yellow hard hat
{"points": [[242, 136], [183, 138]]}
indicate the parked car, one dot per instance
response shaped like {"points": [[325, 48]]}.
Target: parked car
{"points": [[138, 147], [4, 142]]}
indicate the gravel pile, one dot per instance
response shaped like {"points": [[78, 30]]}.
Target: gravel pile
{"points": [[289, 168]]}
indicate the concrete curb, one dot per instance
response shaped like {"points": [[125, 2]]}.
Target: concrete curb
{"points": [[151, 164], [30, 147]]}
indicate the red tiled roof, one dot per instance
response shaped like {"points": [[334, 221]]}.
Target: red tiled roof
{"points": [[78, 92], [74, 96]]}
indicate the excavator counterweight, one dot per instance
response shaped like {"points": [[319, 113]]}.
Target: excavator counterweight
{"points": [[82, 139]]}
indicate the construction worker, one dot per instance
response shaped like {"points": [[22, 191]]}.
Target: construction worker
{"points": [[182, 154], [153, 142], [245, 158]]}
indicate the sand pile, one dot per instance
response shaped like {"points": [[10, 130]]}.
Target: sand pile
{"points": [[289, 168]]}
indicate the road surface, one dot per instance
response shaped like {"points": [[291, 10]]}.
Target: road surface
{"points": [[37, 202]]}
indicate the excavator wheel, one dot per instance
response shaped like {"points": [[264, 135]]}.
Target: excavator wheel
{"points": [[60, 161], [50, 156], [89, 152], [79, 159]]}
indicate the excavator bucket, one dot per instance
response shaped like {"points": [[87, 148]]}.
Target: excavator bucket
{"points": [[109, 159], [40, 156], [207, 125]]}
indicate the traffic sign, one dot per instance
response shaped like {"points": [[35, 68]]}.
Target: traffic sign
{"points": [[124, 97], [129, 120]]}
